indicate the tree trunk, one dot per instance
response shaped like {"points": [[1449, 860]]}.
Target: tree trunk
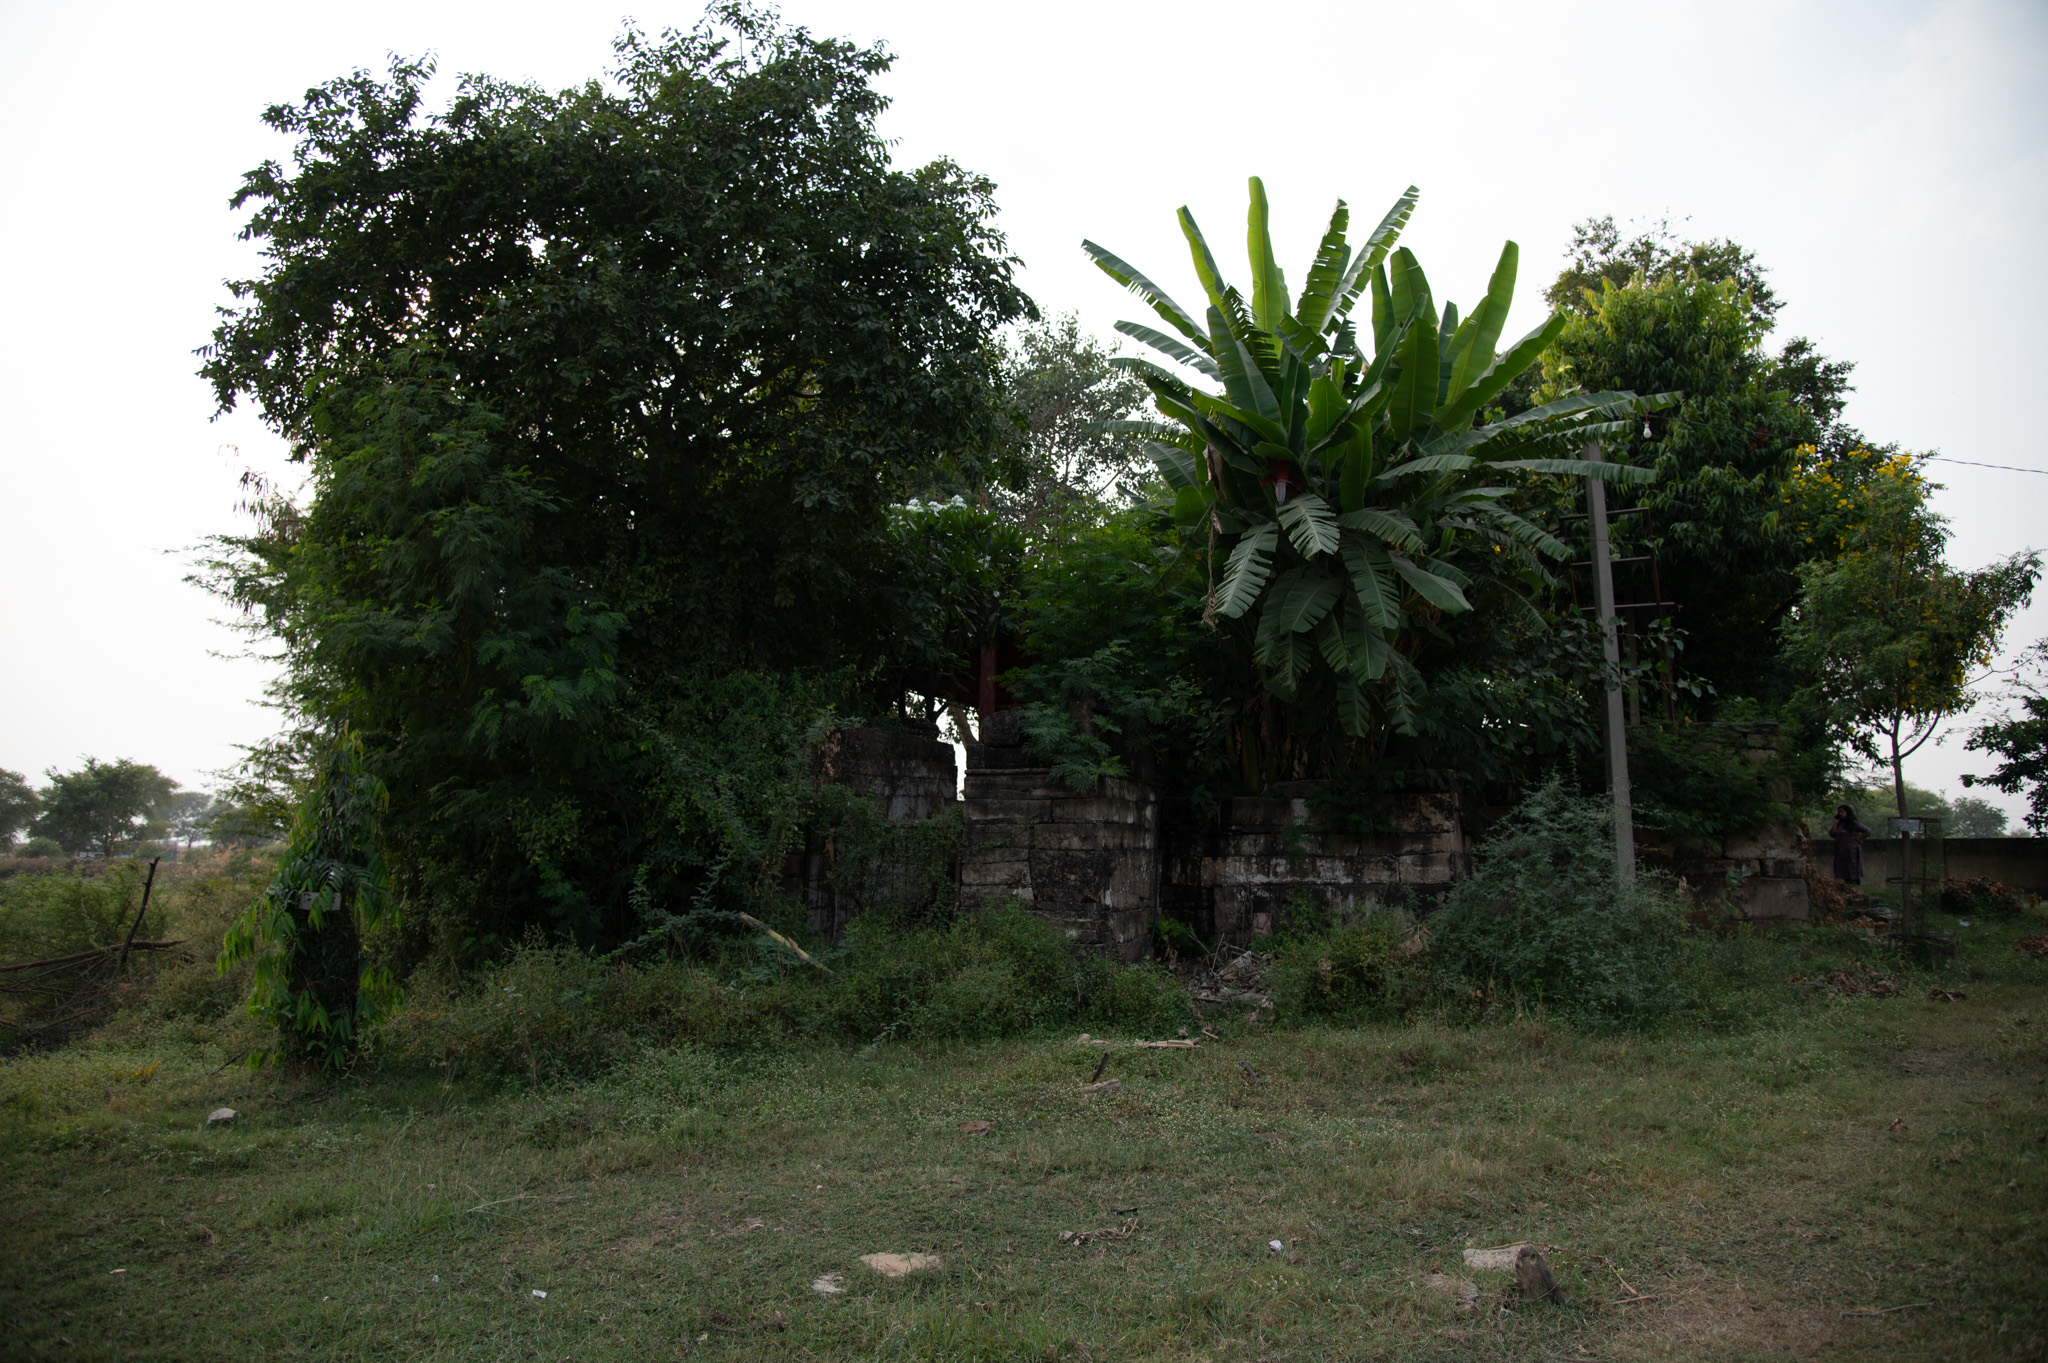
{"points": [[327, 964], [1898, 773]]}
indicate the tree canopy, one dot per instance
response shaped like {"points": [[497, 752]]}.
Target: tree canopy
{"points": [[103, 805], [18, 805], [598, 390], [1889, 632], [1350, 491], [2018, 738]]}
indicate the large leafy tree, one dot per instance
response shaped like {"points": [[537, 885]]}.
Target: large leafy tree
{"points": [[1353, 497], [1890, 632], [104, 805], [597, 390], [1070, 460], [1657, 314], [2019, 739], [18, 805]]}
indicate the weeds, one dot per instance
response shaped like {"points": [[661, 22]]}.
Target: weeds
{"points": [[551, 1013], [1544, 915]]}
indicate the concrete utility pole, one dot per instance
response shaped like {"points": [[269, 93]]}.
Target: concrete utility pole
{"points": [[1610, 647]]}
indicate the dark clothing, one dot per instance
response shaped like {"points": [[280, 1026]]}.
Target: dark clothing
{"points": [[1849, 835]]}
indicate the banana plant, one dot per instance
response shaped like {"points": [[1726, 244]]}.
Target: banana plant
{"points": [[1354, 500]]}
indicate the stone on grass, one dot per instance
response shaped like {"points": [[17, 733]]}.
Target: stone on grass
{"points": [[221, 1115]]}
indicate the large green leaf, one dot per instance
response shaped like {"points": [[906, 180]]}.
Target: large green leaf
{"points": [[1160, 341], [1326, 274], [1326, 407], [1354, 716], [1487, 320], [1177, 466], [1385, 326], [1310, 524], [1219, 410], [1123, 273], [1412, 299], [1330, 638], [1269, 286], [1245, 575], [1389, 526], [1523, 532], [1440, 592], [1243, 380], [1369, 648], [1581, 468], [1206, 269], [1373, 250], [1467, 402], [1414, 396], [1354, 469], [1376, 594], [1303, 599]]}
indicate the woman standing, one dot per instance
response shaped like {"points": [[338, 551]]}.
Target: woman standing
{"points": [[1848, 832]]}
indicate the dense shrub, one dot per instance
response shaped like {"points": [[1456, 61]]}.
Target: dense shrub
{"points": [[1981, 896], [1366, 970], [556, 1012], [1544, 915]]}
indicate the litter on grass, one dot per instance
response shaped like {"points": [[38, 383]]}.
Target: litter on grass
{"points": [[900, 1265], [829, 1284], [1499, 1259], [1082, 1237], [538, 1293]]}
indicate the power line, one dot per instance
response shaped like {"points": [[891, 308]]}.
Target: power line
{"points": [[2009, 468], [1932, 458]]}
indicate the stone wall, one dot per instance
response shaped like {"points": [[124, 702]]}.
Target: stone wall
{"points": [[1238, 873], [1086, 861], [1769, 863], [908, 774], [2019, 862]]}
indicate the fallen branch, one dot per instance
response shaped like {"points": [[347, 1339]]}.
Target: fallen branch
{"points": [[95, 952], [1888, 1310], [801, 954]]}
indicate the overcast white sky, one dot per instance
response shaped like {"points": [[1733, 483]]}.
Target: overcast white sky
{"points": [[1885, 160]]}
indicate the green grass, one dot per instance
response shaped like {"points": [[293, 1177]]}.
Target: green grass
{"points": [[1752, 1183]]}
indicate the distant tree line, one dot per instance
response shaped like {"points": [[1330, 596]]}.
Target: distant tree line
{"points": [[107, 809]]}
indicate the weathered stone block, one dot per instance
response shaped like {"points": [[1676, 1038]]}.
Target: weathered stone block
{"points": [[1780, 898]]}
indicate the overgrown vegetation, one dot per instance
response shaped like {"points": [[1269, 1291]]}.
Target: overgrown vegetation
{"points": [[555, 1013], [1544, 916]]}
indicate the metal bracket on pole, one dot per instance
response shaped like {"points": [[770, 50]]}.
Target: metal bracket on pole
{"points": [[1610, 648]]}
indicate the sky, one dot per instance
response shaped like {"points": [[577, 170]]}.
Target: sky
{"points": [[1887, 162]]}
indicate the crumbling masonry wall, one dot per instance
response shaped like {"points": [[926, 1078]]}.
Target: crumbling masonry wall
{"points": [[1088, 862]]}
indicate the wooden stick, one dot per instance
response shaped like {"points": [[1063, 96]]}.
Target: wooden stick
{"points": [[147, 886], [1100, 1066], [1888, 1310], [801, 954]]}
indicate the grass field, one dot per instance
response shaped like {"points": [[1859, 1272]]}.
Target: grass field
{"points": [[1720, 1196]]}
